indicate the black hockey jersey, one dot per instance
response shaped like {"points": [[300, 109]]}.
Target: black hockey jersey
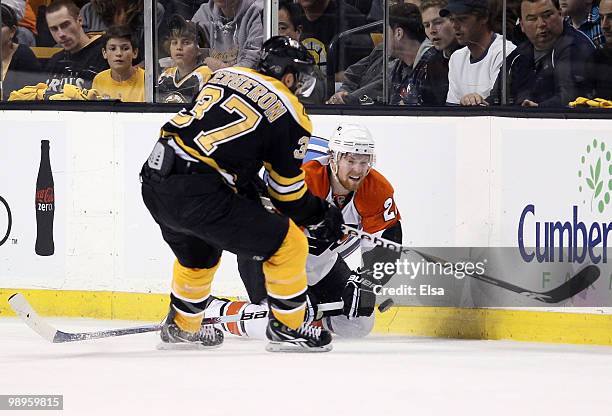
{"points": [[78, 68], [171, 90], [241, 121]]}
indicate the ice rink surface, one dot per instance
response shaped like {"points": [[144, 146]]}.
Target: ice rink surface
{"points": [[375, 376]]}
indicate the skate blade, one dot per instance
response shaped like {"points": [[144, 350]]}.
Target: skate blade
{"points": [[288, 347], [184, 346]]}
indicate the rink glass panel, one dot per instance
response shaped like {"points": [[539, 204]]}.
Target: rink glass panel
{"points": [[351, 33]]}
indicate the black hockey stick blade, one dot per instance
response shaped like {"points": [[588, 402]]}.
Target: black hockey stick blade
{"points": [[582, 280], [576, 284]]}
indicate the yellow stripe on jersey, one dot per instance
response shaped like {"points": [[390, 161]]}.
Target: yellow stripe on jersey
{"points": [[229, 178], [289, 99], [285, 189], [294, 196], [283, 180]]}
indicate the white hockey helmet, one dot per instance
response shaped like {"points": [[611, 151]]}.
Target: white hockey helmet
{"points": [[352, 138]]}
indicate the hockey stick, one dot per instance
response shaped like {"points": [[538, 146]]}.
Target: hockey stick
{"points": [[28, 315], [576, 284]]}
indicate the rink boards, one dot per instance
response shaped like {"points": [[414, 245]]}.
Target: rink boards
{"points": [[459, 182]]}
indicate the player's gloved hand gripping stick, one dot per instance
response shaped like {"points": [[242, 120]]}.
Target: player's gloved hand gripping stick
{"points": [[330, 227]]}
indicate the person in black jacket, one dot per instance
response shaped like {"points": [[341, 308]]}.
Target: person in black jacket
{"points": [[19, 65], [81, 58], [363, 81], [290, 18], [441, 33], [553, 67], [323, 21]]}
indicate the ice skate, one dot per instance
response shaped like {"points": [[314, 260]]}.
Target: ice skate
{"points": [[306, 338], [174, 338]]}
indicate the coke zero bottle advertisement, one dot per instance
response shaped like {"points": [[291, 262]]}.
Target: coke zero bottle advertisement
{"points": [[45, 204]]}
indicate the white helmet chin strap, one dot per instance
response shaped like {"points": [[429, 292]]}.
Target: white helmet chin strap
{"points": [[333, 165]]}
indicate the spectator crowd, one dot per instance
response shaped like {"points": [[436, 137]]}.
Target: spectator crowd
{"points": [[557, 53]]}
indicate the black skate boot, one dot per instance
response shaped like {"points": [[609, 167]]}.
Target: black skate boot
{"points": [[174, 338], [307, 338]]}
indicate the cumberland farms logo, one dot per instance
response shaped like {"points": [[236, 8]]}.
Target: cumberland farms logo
{"points": [[595, 175], [570, 238]]}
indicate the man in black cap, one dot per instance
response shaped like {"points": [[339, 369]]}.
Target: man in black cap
{"points": [[473, 69]]}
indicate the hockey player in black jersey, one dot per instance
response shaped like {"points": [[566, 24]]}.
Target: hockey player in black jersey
{"points": [[199, 185]]}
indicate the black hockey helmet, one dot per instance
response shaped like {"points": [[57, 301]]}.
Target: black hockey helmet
{"points": [[281, 54]]}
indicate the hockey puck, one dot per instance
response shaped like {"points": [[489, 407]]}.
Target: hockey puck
{"points": [[384, 307]]}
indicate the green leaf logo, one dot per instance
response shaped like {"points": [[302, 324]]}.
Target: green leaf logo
{"points": [[599, 184]]}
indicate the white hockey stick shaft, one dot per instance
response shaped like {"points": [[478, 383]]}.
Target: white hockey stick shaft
{"points": [[377, 241]]}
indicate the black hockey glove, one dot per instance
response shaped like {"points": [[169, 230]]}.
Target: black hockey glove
{"points": [[330, 227], [358, 296]]}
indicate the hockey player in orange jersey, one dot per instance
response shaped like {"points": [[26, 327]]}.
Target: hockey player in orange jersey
{"points": [[346, 178]]}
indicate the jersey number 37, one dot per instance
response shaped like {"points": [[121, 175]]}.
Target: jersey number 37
{"points": [[208, 141]]}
